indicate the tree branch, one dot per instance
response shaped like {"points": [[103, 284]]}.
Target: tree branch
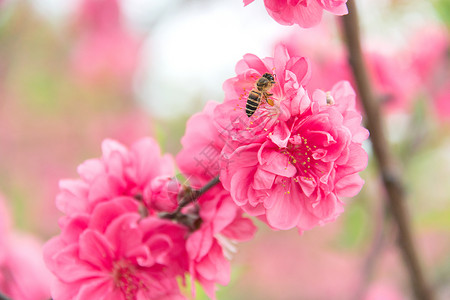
{"points": [[189, 197], [3, 297], [386, 163]]}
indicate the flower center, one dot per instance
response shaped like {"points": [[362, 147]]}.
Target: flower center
{"points": [[302, 156], [125, 279]]}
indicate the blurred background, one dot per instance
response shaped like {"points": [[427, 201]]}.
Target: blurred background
{"points": [[75, 72]]}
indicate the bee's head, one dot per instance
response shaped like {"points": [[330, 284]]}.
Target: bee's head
{"points": [[269, 77]]}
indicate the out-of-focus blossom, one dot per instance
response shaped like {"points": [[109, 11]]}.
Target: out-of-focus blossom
{"points": [[114, 254], [291, 163], [383, 291], [429, 49], [222, 223], [106, 48], [306, 13], [442, 102], [23, 275], [394, 81], [431, 62]]}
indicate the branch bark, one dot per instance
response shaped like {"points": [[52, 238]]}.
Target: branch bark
{"points": [[386, 163], [3, 297], [190, 197]]}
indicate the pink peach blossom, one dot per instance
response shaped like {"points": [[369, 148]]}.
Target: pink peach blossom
{"points": [[115, 254], [292, 170], [291, 73], [305, 13], [119, 172]]}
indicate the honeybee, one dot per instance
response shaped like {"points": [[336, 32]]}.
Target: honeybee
{"points": [[263, 85]]}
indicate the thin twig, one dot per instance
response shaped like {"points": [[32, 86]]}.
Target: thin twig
{"points": [[190, 197], [391, 179]]}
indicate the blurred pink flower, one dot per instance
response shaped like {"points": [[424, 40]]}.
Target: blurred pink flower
{"points": [[291, 163], [394, 81], [431, 62], [429, 48], [442, 102], [270, 272], [115, 254], [306, 13], [23, 275], [119, 172], [383, 291], [106, 48]]}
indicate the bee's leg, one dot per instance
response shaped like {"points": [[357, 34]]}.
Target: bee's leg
{"points": [[268, 100]]}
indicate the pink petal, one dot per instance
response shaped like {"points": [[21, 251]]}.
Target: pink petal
{"points": [[349, 186], [96, 250], [242, 229], [280, 135], [96, 288], [308, 16], [263, 179], [247, 2], [199, 243], [277, 163], [68, 266], [285, 211]]}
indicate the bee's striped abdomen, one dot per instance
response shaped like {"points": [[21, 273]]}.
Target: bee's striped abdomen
{"points": [[252, 102]]}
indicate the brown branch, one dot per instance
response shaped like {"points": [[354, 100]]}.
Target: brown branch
{"points": [[3, 297], [190, 196], [386, 163]]}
